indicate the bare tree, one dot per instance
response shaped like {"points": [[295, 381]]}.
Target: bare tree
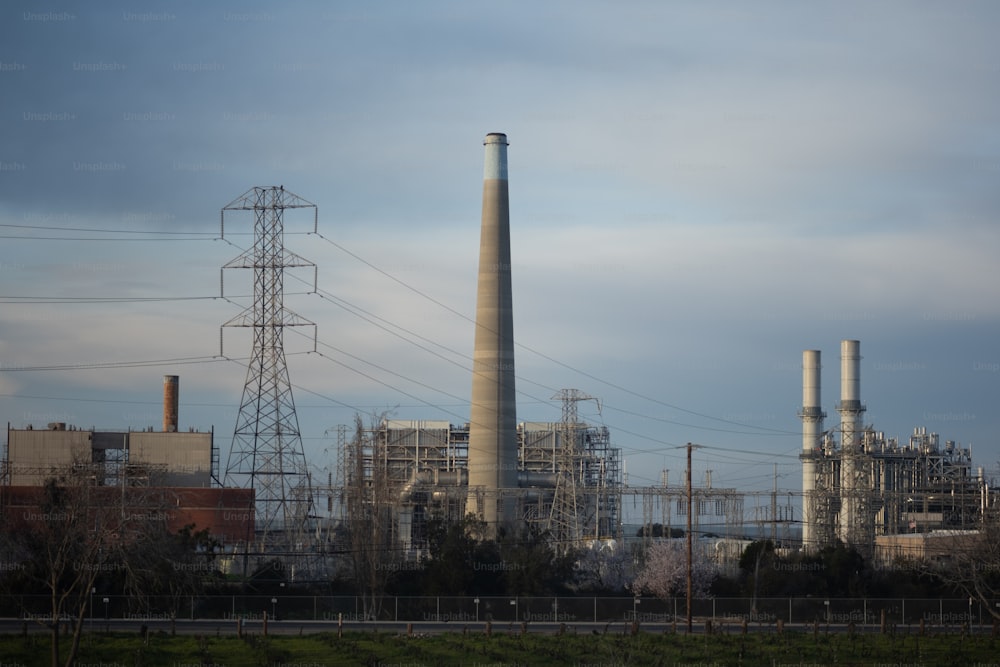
{"points": [[75, 534], [374, 552], [968, 561], [65, 543], [164, 567]]}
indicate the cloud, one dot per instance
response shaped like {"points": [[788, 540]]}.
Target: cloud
{"points": [[698, 193]]}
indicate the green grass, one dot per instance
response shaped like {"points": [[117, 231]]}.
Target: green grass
{"points": [[510, 648]]}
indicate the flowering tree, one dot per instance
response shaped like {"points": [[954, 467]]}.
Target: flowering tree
{"points": [[664, 573], [603, 566]]}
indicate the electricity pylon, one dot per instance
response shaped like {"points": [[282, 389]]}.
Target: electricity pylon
{"points": [[266, 453]]}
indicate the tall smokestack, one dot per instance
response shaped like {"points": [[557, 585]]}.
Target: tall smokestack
{"points": [[812, 416], [851, 414], [493, 421], [171, 400]]}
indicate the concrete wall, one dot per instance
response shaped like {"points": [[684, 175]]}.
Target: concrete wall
{"points": [[185, 457], [175, 459], [227, 514], [35, 455]]}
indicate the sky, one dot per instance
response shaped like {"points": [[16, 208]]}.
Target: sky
{"points": [[699, 192]]}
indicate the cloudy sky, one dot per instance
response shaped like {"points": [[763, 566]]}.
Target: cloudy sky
{"points": [[699, 192]]}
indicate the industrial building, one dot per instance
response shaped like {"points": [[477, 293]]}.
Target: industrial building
{"points": [[149, 457], [937, 546], [568, 476], [858, 485], [170, 471]]}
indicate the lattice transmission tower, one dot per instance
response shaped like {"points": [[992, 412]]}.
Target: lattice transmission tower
{"points": [[266, 453], [564, 523]]}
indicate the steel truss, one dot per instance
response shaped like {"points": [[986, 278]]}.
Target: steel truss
{"points": [[266, 453]]}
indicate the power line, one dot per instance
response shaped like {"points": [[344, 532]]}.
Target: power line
{"points": [[35, 300], [101, 231], [177, 361], [358, 312], [26, 300], [199, 236], [704, 428], [108, 400], [375, 321], [545, 356], [101, 239]]}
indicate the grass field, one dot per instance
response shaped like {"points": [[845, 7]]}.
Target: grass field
{"points": [[506, 649]]}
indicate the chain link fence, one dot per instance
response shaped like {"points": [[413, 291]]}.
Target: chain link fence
{"points": [[860, 612]]}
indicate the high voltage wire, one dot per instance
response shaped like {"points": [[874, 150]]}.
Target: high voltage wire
{"points": [[178, 361], [356, 310], [206, 236], [137, 235], [99, 299], [340, 302], [98, 231], [110, 400], [545, 356], [381, 368], [704, 428], [461, 417], [119, 299], [324, 294], [369, 317], [102, 239]]}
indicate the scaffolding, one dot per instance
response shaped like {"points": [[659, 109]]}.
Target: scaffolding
{"points": [[569, 478], [917, 487]]}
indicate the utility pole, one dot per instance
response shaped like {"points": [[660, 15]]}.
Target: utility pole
{"points": [[690, 577], [774, 507]]}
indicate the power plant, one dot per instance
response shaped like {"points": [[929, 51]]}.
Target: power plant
{"points": [[562, 478], [565, 478], [859, 486]]}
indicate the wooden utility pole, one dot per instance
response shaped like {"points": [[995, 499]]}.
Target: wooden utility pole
{"points": [[690, 577]]}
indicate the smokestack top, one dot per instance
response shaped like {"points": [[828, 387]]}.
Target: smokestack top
{"points": [[496, 157], [811, 367], [850, 371]]}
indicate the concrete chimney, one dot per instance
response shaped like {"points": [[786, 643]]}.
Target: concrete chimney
{"points": [[812, 416], [850, 408], [171, 400], [493, 420], [851, 415]]}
